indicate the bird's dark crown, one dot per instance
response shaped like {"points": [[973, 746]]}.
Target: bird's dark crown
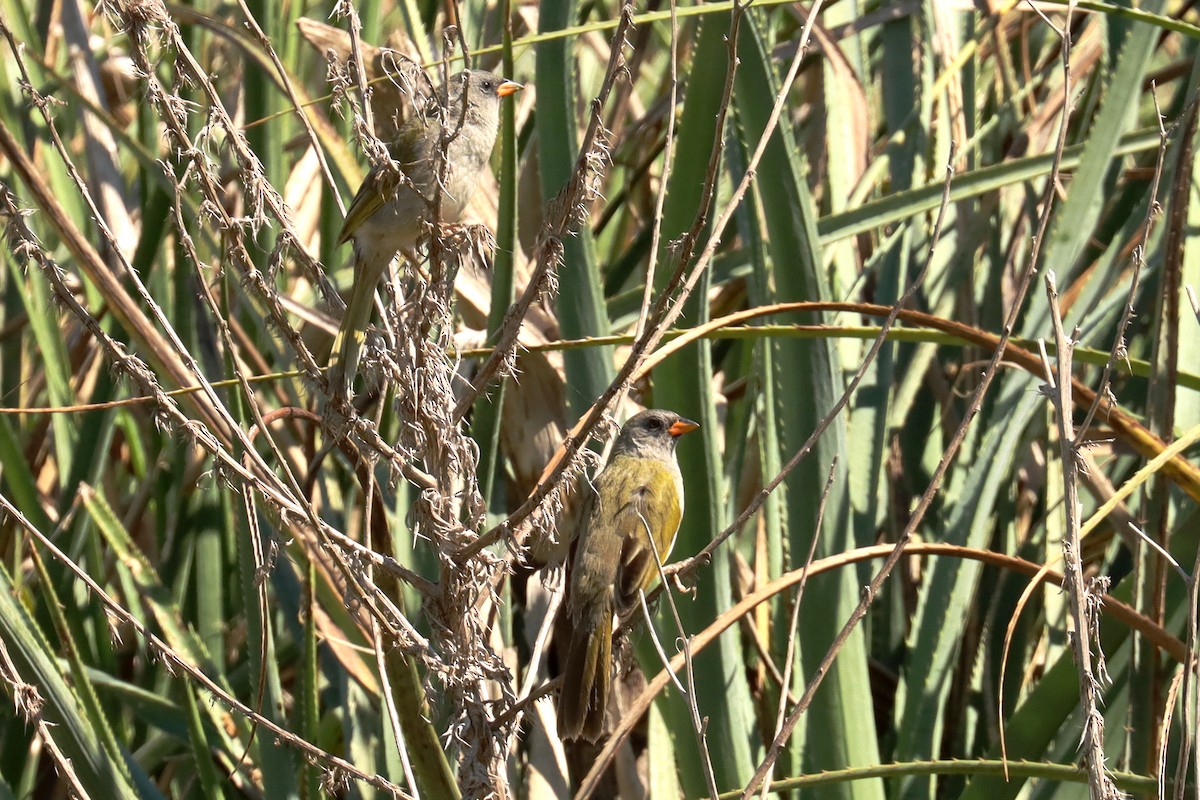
{"points": [[654, 428]]}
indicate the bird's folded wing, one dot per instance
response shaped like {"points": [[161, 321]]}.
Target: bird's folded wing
{"points": [[370, 198], [412, 146]]}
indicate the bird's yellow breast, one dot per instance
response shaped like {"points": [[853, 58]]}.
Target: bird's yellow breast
{"points": [[639, 499]]}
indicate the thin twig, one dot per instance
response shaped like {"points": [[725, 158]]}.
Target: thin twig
{"points": [[1082, 602], [645, 315], [1139, 260], [794, 625], [699, 725], [285, 80], [658, 648], [1048, 197]]}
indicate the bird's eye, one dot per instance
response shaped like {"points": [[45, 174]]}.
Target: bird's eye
{"points": [[655, 423]]}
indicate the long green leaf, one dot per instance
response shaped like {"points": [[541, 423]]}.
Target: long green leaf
{"points": [[837, 736]]}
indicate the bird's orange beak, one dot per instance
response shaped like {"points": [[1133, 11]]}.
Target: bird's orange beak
{"points": [[682, 426], [508, 87]]}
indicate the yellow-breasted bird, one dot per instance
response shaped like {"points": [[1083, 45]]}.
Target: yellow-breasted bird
{"points": [[387, 217], [638, 496]]}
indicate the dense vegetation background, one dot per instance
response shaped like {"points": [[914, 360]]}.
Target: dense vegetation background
{"points": [[811, 229]]}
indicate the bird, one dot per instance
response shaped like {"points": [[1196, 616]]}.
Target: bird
{"points": [[636, 498], [387, 216]]}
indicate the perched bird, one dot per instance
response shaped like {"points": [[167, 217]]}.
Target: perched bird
{"points": [[638, 497], [387, 215]]}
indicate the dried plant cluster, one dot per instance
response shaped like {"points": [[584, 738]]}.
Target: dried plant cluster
{"points": [[824, 232]]}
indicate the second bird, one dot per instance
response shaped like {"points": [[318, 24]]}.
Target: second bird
{"points": [[385, 219], [626, 525]]}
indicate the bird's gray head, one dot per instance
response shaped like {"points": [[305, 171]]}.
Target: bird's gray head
{"points": [[654, 432], [483, 89]]}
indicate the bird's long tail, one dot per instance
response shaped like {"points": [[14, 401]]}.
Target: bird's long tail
{"points": [[587, 678], [352, 334]]}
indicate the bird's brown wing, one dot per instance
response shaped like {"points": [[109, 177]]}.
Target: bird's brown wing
{"points": [[380, 185]]}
